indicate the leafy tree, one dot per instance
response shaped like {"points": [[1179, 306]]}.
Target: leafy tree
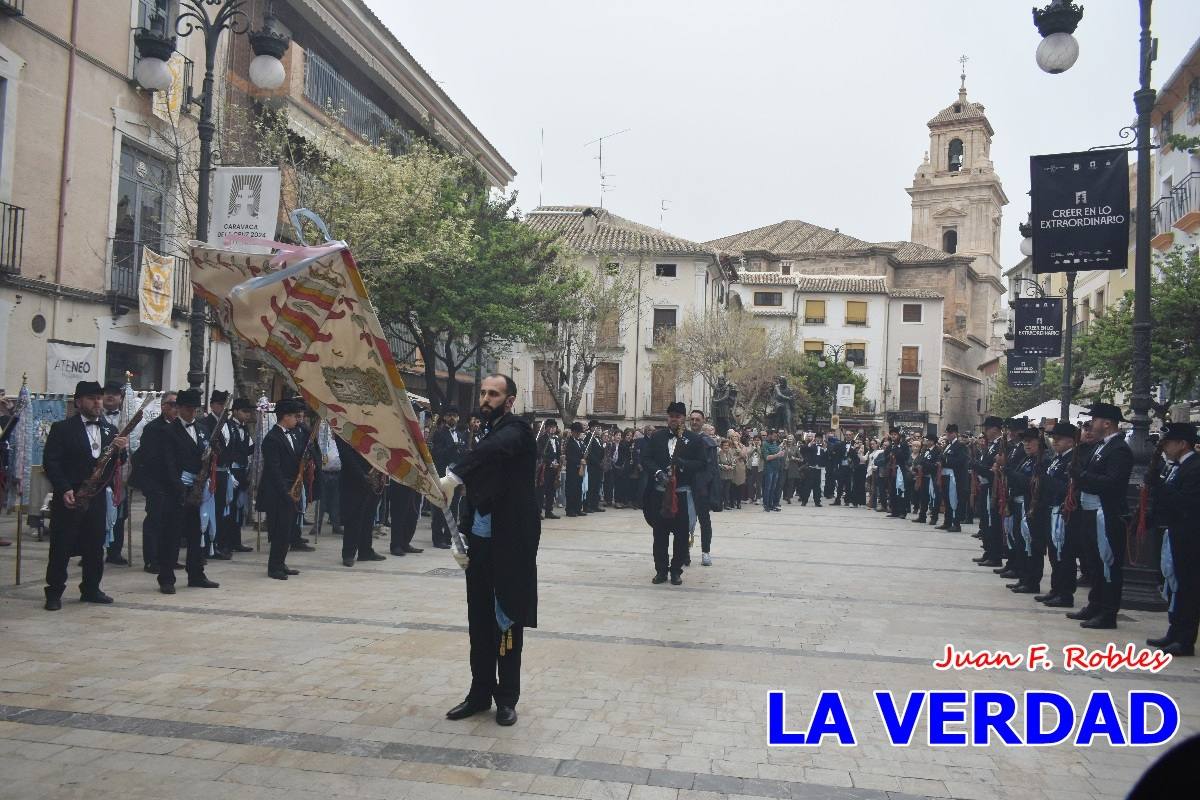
{"points": [[1107, 347], [818, 384], [571, 338]]}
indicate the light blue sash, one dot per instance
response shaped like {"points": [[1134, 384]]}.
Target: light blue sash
{"points": [[1058, 529], [1025, 533], [208, 513], [951, 489], [110, 517], [899, 481], [1167, 565], [1091, 502]]}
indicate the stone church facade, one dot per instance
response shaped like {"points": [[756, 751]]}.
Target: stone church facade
{"points": [[952, 257]]}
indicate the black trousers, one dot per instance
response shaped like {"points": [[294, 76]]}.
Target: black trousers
{"points": [[118, 542], [1185, 619], [152, 527], [1104, 597], [179, 520], [1062, 565], [812, 485], [595, 483], [549, 485], [574, 492], [404, 505], [358, 522], [704, 518], [1014, 544], [229, 526], [990, 524], [923, 503], [841, 489], [282, 527], [1035, 561], [667, 529], [901, 501], [830, 481], [75, 532], [493, 676]]}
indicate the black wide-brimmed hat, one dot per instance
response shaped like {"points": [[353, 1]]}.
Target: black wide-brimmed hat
{"points": [[218, 396], [243, 404], [951, 428], [1031, 433], [1016, 424], [1180, 432], [933, 437], [1106, 411], [288, 406], [114, 387], [189, 398], [87, 389], [677, 408], [551, 423], [993, 422], [576, 427], [1065, 429]]}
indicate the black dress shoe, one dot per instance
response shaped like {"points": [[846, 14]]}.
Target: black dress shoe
{"points": [[1102, 622], [469, 708], [396, 552], [241, 548], [178, 566], [1008, 572], [1180, 649], [551, 515], [291, 571], [1041, 598], [373, 557], [1161, 641], [347, 562], [117, 559], [991, 562], [408, 548], [98, 597], [151, 568], [954, 529], [222, 556], [53, 604], [980, 559], [1087, 612], [277, 574], [203, 583], [572, 514], [943, 526], [1060, 602], [505, 715], [659, 578], [976, 535], [441, 546], [1013, 585], [919, 519], [1026, 588], [303, 548], [676, 580], [167, 588]]}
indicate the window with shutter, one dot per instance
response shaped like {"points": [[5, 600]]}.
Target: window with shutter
{"points": [[814, 312], [856, 312], [604, 398], [543, 398], [662, 388], [910, 360], [910, 394]]}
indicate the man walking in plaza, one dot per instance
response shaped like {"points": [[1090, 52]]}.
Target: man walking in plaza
{"points": [[673, 458], [280, 465], [499, 513]]}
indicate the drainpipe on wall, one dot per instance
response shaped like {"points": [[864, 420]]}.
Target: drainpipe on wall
{"points": [[64, 178]]}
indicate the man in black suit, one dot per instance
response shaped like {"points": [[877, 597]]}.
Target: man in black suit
{"points": [[549, 460], [1102, 480], [671, 450], [73, 448], [594, 452], [900, 481], [954, 480], [280, 465], [357, 493], [816, 456], [1177, 508], [183, 452], [988, 512], [150, 475], [1064, 439], [833, 459], [216, 407], [575, 468], [447, 445], [499, 514], [404, 506], [926, 497], [110, 410], [233, 478]]}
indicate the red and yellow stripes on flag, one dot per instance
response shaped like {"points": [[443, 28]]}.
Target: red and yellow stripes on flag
{"points": [[308, 311]]}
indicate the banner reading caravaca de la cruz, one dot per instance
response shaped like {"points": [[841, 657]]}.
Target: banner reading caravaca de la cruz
{"points": [[1080, 211]]}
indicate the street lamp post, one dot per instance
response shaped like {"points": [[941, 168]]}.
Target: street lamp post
{"points": [[1062, 16], [835, 352], [210, 18]]}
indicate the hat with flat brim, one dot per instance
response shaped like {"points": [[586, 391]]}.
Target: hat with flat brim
{"points": [[288, 406], [88, 389], [1180, 432], [189, 398], [1016, 424], [1031, 433], [243, 404], [993, 422], [114, 387], [677, 408], [1106, 411], [219, 396], [1064, 429]]}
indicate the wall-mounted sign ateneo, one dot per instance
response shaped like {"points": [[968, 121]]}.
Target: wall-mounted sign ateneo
{"points": [[1038, 326], [1024, 371], [1080, 211]]}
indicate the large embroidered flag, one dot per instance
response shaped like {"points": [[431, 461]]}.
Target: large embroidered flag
{"points": [[306, 311], [154, 293]]}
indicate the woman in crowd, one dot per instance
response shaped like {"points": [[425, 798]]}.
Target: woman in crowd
{"points": [[754, 468], [738, 483]]}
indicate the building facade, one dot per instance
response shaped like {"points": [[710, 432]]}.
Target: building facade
{"points": [[1176, 210], [675, 279], [93, 168]]}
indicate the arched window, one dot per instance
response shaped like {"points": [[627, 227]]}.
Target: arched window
{"points": [[950, 241], [956, 155]]}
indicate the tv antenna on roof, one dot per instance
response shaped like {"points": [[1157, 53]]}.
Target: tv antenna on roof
{"points": [[600, 157], [662, 209]]}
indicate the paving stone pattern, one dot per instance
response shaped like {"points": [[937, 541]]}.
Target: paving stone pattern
{"points": [[335, 682]]}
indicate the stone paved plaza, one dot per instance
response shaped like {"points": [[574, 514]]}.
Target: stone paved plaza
{"points": [[335, 682]]}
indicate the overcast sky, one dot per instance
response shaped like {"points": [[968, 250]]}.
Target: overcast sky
{"points": [[742, 114]]}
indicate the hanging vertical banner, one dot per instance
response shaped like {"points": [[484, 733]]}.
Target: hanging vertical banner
{"points": [[845, 395], [1038, 326], [156, 288], [67, 364], [1080, 211], [245, 202], [1024, 371]]}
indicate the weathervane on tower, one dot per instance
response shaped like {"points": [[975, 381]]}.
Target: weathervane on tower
{"points": [[963, 59]]}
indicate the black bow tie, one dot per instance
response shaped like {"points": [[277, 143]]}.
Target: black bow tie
{"points": [[95, 422], [189, 424]]}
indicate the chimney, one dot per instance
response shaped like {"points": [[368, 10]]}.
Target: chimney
{"points": [[590, 220]]}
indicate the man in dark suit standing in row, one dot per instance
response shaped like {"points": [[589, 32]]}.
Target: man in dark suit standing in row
{"points": [[447, 445], [1102, 480], [182, 453], [216, 408], [233, 468], [73, 448], [149, 475], [359, 501], [110, 409], [594, 452], [549, 461], [953, 474], [816, 456], [280, 465], [575, 468], [1177, 508], [676, 455]]}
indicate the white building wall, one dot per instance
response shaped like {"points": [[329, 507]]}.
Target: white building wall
{"points": [[925, 335]]}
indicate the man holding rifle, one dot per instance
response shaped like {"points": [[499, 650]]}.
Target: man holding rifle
{"points": [[182, 453], [73, 449], [280, 467]]}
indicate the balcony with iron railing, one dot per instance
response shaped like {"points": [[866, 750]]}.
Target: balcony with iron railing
{"points": [[12, 8], [911, 366], [331, 92], [125, 274], [1183, 199], [12, 238], [1079, 328]]}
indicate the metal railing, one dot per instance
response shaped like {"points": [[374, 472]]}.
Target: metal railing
{"points": [[1183, 199], [333, 93], [1079, 328], [911, 366], [12, 238], [12, 8], [125, 273]]}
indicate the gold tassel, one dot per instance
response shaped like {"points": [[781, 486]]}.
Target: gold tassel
{"points": [[502, 650], [510, 644]]}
